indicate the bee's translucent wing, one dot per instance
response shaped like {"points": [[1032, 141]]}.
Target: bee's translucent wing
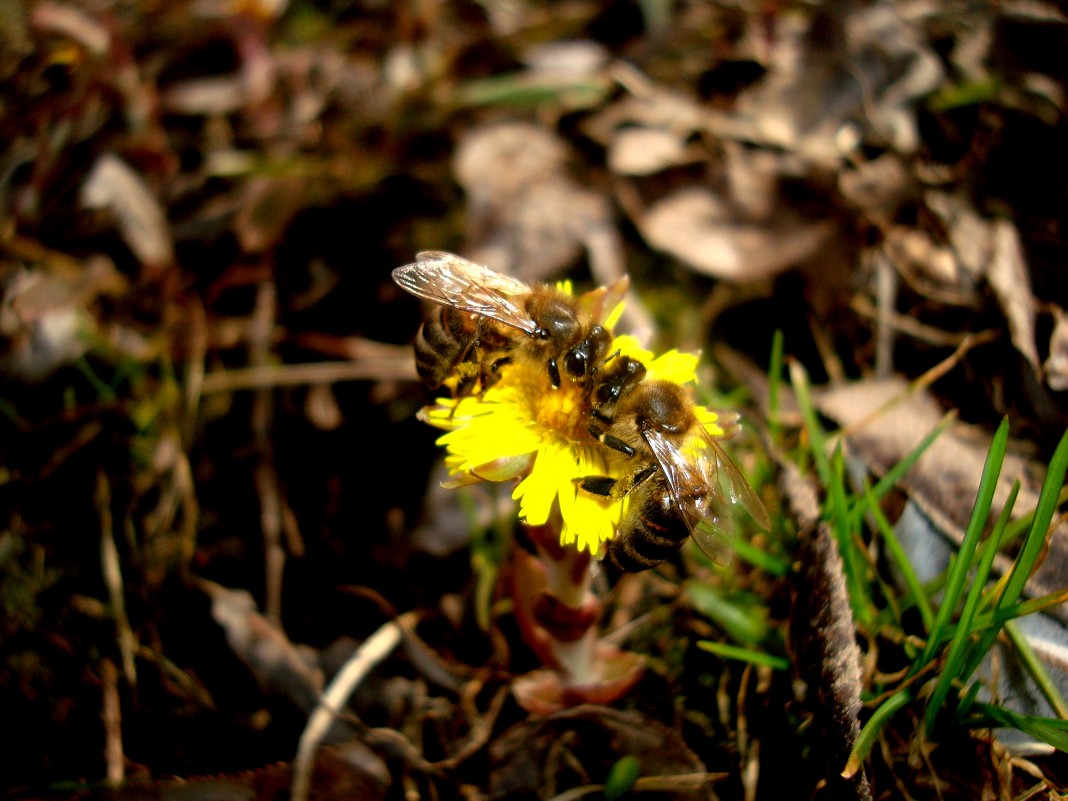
{"points": [[453, 281], [733, 485], [692, 484], [714, 526]]}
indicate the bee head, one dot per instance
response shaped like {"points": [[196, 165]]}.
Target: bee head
{"points": [[663, 406], [580, 361]]}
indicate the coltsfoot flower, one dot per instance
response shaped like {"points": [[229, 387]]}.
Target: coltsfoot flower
{"points": [[522, 429]]}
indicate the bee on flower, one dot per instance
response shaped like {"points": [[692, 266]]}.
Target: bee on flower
{"points": [[619, 453]]}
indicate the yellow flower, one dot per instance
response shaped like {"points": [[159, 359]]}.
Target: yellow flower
{"points": [[523, 429]]}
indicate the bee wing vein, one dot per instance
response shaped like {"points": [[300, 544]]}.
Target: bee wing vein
{"points": [[452, 281]]}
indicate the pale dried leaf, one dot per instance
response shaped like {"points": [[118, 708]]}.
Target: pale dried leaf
{"points": [[1056, 365], [213, 96], [572, 58], [112, 185], [528, 217], [754, 175], [824, 95], [696, 226], [880, 40], [1008, 276], [969, 234], [650, 106], [644, 151], [73, 22], [496, 162], [279, 666], [991, 249], [46, 315], [1015, 686], [914, 252]]}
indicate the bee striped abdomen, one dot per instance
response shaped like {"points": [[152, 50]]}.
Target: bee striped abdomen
{"points": [[439, 346], [654, 533]]}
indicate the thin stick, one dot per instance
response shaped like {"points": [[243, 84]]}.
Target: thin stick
{"points": [[373, 651], [309, 373], [113, 752], [112, 573]]}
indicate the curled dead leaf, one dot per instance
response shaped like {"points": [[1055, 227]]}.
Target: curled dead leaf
{"points": [[698, 228], [113, 186]]}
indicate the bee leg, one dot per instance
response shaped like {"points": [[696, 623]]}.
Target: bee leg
{"points": [[613, 442], [608, 487], [490, 373], [598, 485], [554, 373]]}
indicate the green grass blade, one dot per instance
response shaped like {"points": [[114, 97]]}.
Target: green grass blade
{"points": [[960, 565], [759, 658], [1048, 730], [869, 732], [1036, 535], [774, 382], [831, 478], [1036, 539], [817, 441], [957, 655], [757, 557], [1028, 607]]}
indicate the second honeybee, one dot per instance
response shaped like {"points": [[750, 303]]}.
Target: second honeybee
{"points": [[680, 481], [489, 319]]}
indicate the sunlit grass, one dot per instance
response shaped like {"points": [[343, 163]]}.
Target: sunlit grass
{"points": [[963, 613], [944, 628]]}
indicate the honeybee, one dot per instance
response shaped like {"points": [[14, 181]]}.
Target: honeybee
{"points": [[488, 319], [683, 483]]}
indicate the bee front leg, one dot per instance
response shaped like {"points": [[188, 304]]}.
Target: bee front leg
{"points": [[609, 440], [616, 488]]}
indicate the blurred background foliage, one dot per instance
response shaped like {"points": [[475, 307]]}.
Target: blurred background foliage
{"points": [[208, 400]]}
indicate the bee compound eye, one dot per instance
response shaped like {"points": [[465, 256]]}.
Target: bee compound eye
{"points": [[576, 362]]}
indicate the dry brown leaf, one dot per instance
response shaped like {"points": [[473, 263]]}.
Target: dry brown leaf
{"points": [[281, 667], [930, 265], [697, 227], [991, 250], [75, 23], [267, 206], [1056, 366], [113, 186], [528, 217], [1008, 276], [644, 151], [824, 94]]}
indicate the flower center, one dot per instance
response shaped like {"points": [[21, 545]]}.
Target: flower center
{"points": [[559, 412]]}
